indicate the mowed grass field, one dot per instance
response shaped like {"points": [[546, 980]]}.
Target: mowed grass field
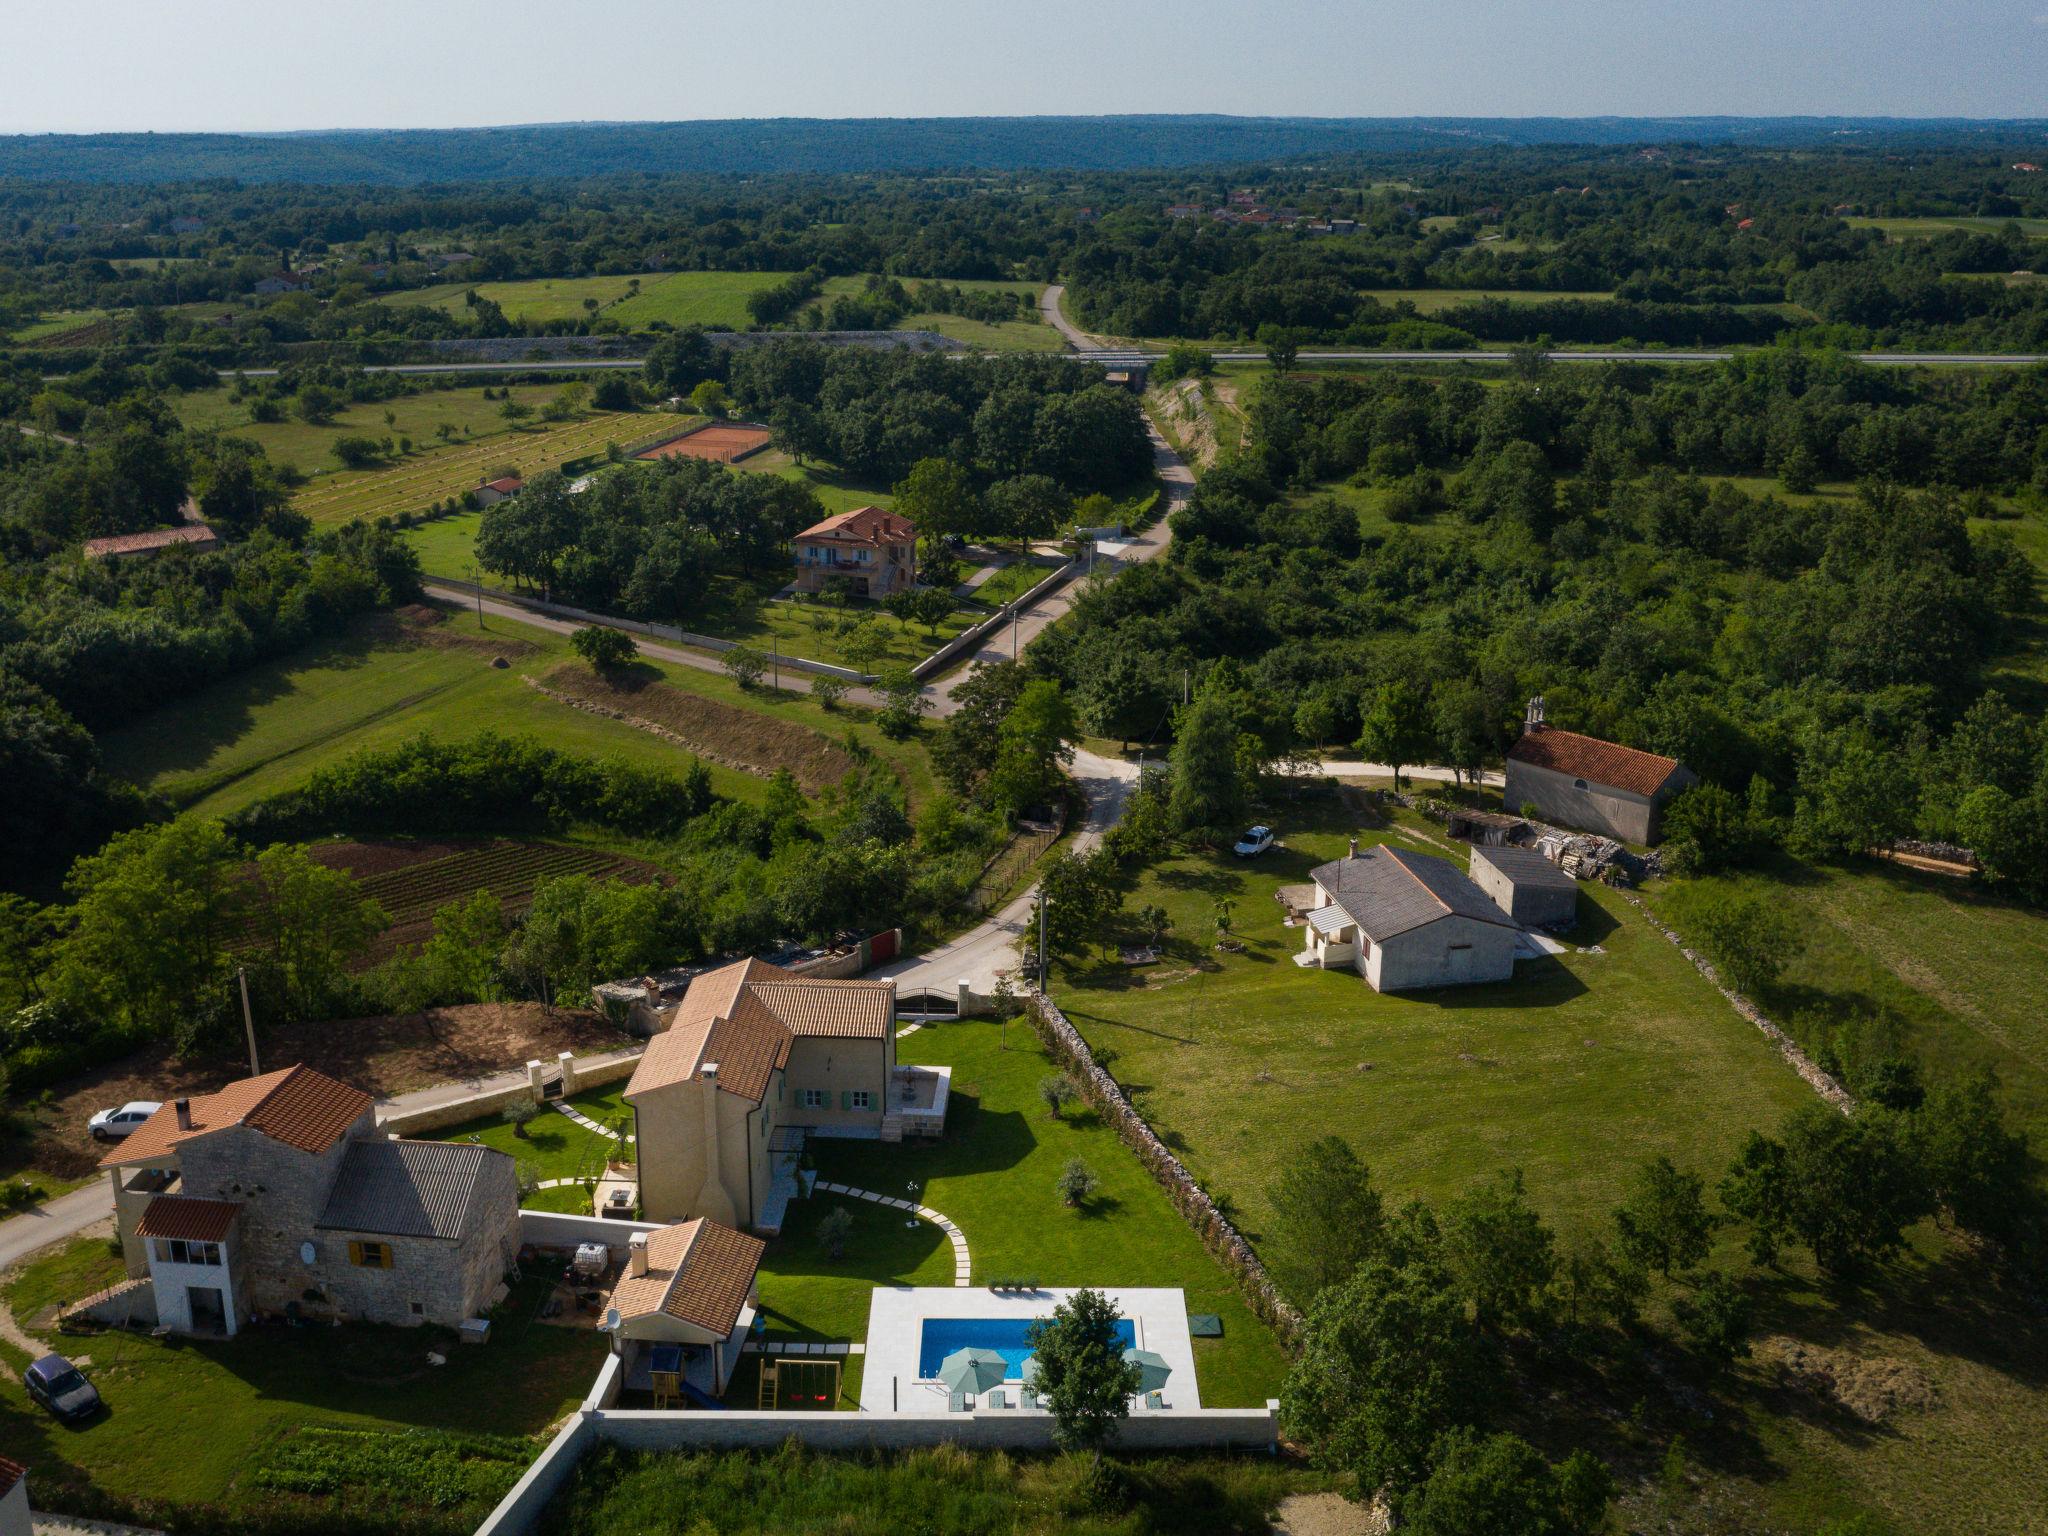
{"points": [[265, 730], [1926, 228], [679, 298], [415, 483], [1576, 1071]]}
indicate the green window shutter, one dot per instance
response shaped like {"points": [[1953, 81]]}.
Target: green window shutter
{"points": [[846, 1098]]}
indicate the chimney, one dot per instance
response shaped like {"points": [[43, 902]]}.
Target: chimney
{"points": [[1354, 848], [183, 1110], [1533, 721], [636, 1256], [712, 1200]]}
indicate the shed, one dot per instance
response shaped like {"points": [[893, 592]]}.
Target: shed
{"points": [[1526, 886]]}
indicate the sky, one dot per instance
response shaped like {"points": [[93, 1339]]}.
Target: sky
{"points": [[101, 65]]}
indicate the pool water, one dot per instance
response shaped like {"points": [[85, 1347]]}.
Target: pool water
{"points": [[1004, 1335]]}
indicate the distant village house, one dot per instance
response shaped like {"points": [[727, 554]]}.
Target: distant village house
{"points": [[1592, 785]]}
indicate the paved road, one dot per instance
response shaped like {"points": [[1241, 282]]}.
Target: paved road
{"points": [[1049, 308]]}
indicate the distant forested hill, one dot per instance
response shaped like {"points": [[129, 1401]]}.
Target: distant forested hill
{"points": [[881, 144]]}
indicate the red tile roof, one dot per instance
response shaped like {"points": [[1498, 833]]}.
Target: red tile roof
{"points": [[195, 1220], [506, 484], [11, 1472], [697, 1271], [744, 1017], [298, 1106], [863, 525], [157, 538], [1594, 760]]}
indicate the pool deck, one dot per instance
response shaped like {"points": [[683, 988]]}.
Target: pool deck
{"points": [[896, 1317]]}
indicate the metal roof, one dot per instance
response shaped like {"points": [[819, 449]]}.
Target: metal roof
{"points": [[1525, 867], [1330, 919], [406, 1188], [1389, 891]]}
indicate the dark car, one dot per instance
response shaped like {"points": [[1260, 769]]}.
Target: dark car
{"points": [[56, 1383]]}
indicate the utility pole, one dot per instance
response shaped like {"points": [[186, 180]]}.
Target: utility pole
{"points": [[1013, 631], [477, 585], [774, 664], [248, 1021], [1041, 940]]}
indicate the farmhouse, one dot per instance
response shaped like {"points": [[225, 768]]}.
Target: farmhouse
{"points": [[196, 537], [690, 1285], [753, 1061], [1406, 920], [1596, 786], [874, 550], [276, 1195], [496, 490], [1526, 886]]}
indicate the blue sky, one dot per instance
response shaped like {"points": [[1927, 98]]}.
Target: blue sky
{"points": [[88, 65]]}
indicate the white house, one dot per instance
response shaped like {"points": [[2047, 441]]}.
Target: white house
{"points": [[1405, 921]]}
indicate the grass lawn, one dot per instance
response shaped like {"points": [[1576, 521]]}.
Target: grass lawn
{"points": [[556, 1147], [1012, 582], [1576, 1071], [993, 1175], [1902, 963], [61, 1274], [55, 323], [1925, 228], [311, 448], [430, 475], [195, 1423]]}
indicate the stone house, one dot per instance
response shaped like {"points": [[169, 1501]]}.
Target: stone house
{"points": [[1593, 785], [1526, 886], [1405, 921], [276, 1195], [753, 1061], [873, 551]]}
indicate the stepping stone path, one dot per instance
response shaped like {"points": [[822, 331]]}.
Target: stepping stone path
{"points": [[908, 1029], [963, 1270], [801, 1347], [585, 1121]]}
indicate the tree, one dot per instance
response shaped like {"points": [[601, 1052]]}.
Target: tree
{"points": [[355, 452], [709, 398], [834, 1228], [681, 360], [514, 411], [603, 647], [1665, 1224], [317, 404], [1854, 1186], [828, 690], [1083, 1378], [313, 920], [1282, 344], [1058, 1091], [1076, 1182], [1153, 923], [462, 955], [1389, 1363], [1501, 1486], [1327, 1218], [1079, 893], [1032, 748], [519, 1113], [903, 703], [980, 706], [1499, 1251], [745, 665], [923, 605], [1208, 792], [939, 498], [1979, 1173], [1757, 1189], [1716, 1321], [1026, 507], [1395, 728], [1750, 937], [1467, 727]]}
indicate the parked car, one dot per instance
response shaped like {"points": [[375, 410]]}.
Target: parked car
{"points": [[57, 1384], [113, 1124], [1255, 842]]}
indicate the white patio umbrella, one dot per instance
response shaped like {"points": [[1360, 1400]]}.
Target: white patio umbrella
{"points": [[973, 1371], [1152, 1368]]}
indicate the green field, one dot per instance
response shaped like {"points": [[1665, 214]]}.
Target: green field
{"points": [[1429, 301], [556, 1147], [266, 729], [1575, 1071], [55, 324], [993, 1176], [1925, 228], [431, 475], [310, 448]]}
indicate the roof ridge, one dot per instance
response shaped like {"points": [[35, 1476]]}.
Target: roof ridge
{"points": [[1428, 889]]}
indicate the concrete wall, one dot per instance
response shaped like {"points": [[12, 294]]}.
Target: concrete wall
{"points": [[558, 1229], [971, 639], [14, 1517], [982, 1429], [172, 1283], [1558, 797], [1451, 951], [520, 1509], [1527, 902], [591, 1072]]}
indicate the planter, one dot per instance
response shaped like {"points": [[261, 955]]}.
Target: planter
{"points": [[807, 1180]]}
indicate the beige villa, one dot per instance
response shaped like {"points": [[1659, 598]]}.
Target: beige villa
{"points": [[874, 551], [755, 1059]]}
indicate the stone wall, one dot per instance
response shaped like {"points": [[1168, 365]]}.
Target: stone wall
{"points": [[1218, 1235], [969, 639], [591, 1072]]}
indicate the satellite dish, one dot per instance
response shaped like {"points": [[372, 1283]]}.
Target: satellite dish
{"points": [[611, 1319], [307, 1253]]}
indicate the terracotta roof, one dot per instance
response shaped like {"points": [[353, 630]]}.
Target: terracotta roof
{"points": [[1594, 760], [298, 1106], [198, 1221], [156, 538], [863, 525], [847, 1010], [11, 1472], [698, 1272], [506, 483]]}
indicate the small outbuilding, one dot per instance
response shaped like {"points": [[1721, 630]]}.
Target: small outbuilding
{"points": [[1526, 886]]}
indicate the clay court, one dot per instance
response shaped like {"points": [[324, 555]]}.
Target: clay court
{"points": [[726, 445]]}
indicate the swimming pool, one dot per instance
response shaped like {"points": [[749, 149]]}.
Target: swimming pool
{"points": [[1005, 1335]]}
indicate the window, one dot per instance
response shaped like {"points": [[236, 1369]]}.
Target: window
{"points": [[1578, 783], [178, 1250], [369, 1255], [1461, 946], [419, 1309], [858, 1098], [814, 1098]]}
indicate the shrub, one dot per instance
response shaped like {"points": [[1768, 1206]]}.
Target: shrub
{"points": [[1076, 1182], [1058, 1091], [603, 647]]}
